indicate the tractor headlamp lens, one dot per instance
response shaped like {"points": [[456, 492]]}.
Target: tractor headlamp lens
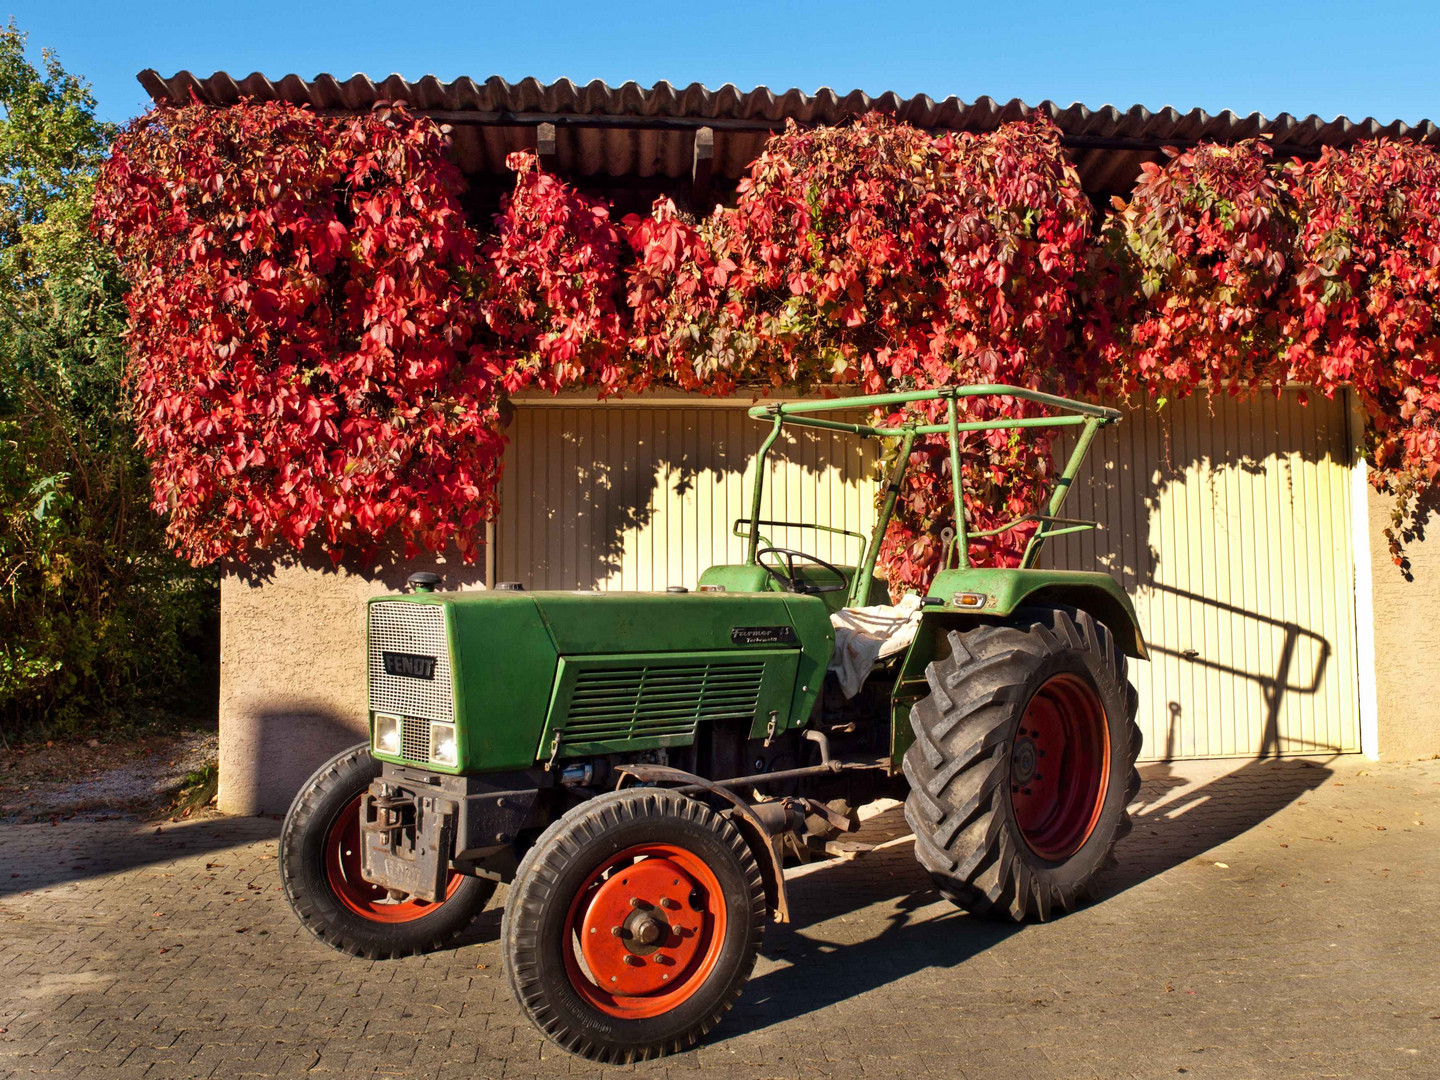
{"points": [[387, 734], [442, 744]]}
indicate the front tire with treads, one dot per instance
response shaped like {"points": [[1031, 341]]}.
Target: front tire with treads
{"points": [[632, 925], [1023, 763], [320, 869]]}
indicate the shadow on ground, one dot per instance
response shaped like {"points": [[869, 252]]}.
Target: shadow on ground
{"points": [[1175, 818], [1174, 821], [116, 845]]}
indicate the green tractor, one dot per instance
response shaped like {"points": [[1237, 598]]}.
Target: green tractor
{"points": [[638, 766]]}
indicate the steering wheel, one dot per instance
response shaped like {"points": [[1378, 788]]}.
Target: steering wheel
{"points": [[789, 581]]}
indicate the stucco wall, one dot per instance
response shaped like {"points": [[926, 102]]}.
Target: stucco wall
{"points": [[1407, 642], [292, 671]]}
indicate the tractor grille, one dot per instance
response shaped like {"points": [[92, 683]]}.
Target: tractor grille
{"points": [[415, 739], [409, 630], [647, 702]]}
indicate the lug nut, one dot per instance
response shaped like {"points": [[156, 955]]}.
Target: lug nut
{"points": [[633, 961], [666, 902], [617, 931]]}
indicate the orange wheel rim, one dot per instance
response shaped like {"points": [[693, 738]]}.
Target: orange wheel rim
{"points": [[644, 931], [1060, 767], [342, 872]]}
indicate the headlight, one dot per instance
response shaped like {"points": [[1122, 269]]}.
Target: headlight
{"points": [[442, 744], [387, 735]]}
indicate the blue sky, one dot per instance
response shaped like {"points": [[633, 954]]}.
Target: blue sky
{"points": [[1359, 59]]}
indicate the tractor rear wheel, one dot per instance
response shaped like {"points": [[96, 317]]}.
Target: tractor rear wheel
{"points": [[1023, 764], [320, 869], [632, 925]]}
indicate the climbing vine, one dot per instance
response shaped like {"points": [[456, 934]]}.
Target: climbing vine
{"points": [[879, 256], [322, 342], [302, 335], [1240, 273]]}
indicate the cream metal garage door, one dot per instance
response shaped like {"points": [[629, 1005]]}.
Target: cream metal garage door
{"points": [[642, 496], [1229, 522]]}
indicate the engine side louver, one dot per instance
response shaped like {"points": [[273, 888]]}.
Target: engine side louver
{"points": [[643, 702]]}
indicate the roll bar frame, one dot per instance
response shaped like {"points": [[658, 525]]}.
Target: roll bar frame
{"points": [[1069, 413]]}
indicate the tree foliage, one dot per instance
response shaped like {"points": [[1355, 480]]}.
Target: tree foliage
{"points": [[94, 611]]}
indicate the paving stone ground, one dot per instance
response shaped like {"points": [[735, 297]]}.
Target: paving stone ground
{"points": [[1280, 919]]}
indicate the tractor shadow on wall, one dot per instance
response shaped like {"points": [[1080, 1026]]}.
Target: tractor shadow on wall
{"points": [[822, 961], [1220, 561], [1301, 657]]}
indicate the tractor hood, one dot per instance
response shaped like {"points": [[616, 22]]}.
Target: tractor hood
{"points": [[624, 622], [511, 663]]}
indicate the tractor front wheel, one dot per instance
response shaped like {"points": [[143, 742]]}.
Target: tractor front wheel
{"points": [[1023, 764], [633, 924], [320, 869]]}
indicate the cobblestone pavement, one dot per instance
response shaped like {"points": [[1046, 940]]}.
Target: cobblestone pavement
{"points": [[1279, 920]]}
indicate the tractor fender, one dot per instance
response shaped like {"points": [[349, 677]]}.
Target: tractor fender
{"points": [[1007, 590], [764, 846]]}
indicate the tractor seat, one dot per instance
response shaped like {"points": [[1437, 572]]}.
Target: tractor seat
{"points": [[865, 636]]}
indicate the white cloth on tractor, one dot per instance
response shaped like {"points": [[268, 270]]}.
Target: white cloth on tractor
{"points": [[864, 635]]}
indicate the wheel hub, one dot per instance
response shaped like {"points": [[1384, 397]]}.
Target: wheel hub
{"points": [[1022, 760], [643, 931], [639, 934], [1059, 767]]}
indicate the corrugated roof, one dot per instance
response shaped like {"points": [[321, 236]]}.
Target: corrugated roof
{"points": [[634, 131]]}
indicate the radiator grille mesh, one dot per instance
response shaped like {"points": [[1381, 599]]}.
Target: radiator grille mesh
{"points": [[416, 629], [415, 739], [645, 702]]}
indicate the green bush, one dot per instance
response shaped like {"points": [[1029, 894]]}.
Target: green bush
{"points": [[96, 615]]}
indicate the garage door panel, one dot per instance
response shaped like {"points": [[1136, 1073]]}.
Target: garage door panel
{"points": [[1228, 522], [643, 497]]}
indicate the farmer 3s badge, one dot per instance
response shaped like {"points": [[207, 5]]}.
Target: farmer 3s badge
{"points": [[762, 635]]}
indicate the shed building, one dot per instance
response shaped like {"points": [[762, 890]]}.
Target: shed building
{"points": [[1245, 530]]}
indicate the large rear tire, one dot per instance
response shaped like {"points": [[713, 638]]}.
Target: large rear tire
{"points": [[1023, 764], [632, 925], [320, 869]]}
